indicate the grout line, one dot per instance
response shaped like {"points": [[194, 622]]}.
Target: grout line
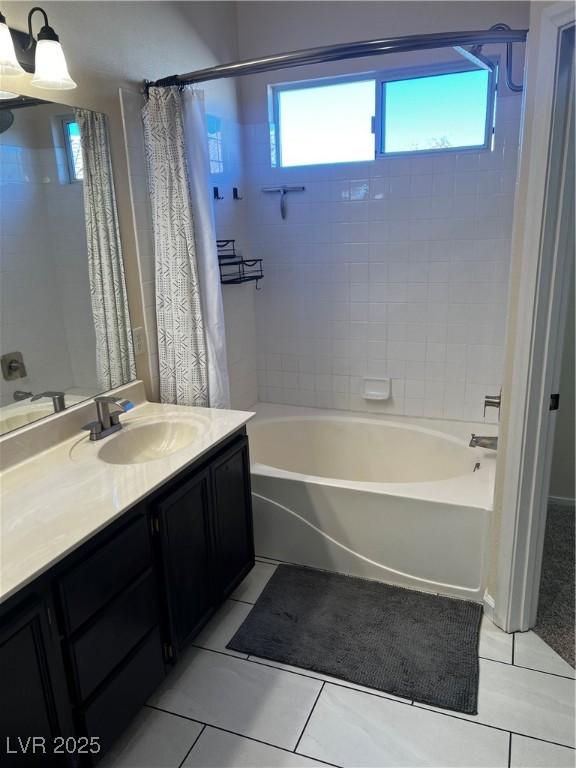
{"points": [[510, 749], [192, 747], [498, 661], [236, 600], [530, 669], [309, 716], [232, 733], [335, 681], [487, 725], [243, 657]]}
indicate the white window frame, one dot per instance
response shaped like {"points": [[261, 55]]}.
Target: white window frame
{"points": [[419, 73], [380, 78]]}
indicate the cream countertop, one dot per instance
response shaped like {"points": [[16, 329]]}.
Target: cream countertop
{"points": [[54, 501]]}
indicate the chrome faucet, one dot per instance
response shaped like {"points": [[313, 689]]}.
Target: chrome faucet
{"points": [[479, 441], [107, 421], [58, 401]]}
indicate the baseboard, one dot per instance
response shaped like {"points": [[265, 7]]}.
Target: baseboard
{"points": [[562, 501]]}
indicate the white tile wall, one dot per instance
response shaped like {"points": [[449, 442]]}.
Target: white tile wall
{"points": [[396, 268]]}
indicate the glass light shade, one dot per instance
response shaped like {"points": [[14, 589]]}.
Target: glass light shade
{"points": [[50, 67], [9, 66], [7, 95]]}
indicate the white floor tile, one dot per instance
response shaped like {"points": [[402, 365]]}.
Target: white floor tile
{"points": [[154, 740], [249, 699], [524, 701], [250, 589], [350, 728], [222, 627], [531, 651], [217, 749], [529, 753], [494, 643], [326, 678]]}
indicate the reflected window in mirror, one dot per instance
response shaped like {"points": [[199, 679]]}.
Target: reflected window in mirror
{"points": [[61, 272], [73, 149]]}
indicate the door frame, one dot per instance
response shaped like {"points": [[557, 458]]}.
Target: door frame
{"points": [[535, 344]]}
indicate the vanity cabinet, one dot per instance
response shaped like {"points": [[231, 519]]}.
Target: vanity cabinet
{"points": [[183, 524], [34, 706], [85, 645], [206, 541]]}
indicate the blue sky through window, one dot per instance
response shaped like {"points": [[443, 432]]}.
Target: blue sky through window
{"points": [[436, 112]]}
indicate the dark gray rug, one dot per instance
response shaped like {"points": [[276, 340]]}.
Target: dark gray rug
{"points": [[556, 616], [411, 644]]}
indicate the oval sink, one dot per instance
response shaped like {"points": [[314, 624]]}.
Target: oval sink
{"points": [[146, 442]]}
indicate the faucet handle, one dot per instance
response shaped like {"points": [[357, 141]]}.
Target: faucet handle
{"points": [[94, 427]]}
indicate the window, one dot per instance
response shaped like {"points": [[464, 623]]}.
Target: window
{"points": [[448, 111], [350, 120], [73, 149], [324, 123]]}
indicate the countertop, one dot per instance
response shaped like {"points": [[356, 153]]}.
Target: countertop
{"points": [[54, 501]]}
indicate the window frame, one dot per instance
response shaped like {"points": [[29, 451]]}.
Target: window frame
{"points": [[434, 70], [64, 122], [381, 78]]}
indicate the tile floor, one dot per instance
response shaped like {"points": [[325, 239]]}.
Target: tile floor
{"points": [[219, 708]]}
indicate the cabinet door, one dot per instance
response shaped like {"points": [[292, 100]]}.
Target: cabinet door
{"points": [[187, 555], [233, 516], [33, 697]]}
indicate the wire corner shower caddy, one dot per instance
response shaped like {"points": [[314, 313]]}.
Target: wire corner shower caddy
{"points": [[234, 269]]}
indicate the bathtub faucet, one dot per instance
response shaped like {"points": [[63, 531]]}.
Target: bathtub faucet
{"points": [[479, 441]]}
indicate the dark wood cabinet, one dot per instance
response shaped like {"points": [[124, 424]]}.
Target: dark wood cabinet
{"points": [[206, 541], [183, 523], [85, 645], [232, 517], [34, 707]]}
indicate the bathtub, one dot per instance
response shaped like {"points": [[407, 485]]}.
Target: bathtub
{"points": [[400, 500]]}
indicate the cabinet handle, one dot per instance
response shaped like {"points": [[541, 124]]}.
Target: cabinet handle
{"points": [[49, 615], [154, 526], [168, 652]]}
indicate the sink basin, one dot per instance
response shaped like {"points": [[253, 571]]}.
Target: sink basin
{"points": [[138, 443]]}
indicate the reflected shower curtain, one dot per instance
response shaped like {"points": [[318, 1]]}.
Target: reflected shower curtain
{"points": [[114, 353], [189, 314]]}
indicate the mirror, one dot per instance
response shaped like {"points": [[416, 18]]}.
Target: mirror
{"points": [[64, 325]]}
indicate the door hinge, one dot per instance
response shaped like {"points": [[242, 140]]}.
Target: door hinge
{"points": [[168, 652], [154, 526], [554, 401]]}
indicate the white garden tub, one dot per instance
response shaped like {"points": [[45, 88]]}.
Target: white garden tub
{"points": [[396, 499]]}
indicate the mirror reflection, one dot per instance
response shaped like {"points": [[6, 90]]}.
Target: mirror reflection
{"points": [[64, 324]]}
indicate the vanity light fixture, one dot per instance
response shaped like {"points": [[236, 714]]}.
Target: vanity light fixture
{"points": [[50, 69], [9, 64]]}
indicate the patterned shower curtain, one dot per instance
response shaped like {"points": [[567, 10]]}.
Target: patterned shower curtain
{"points": [[188, 297], [114, 352]]}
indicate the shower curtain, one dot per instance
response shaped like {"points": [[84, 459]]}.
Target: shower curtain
{"points": [[115, 363], [189, 312]]}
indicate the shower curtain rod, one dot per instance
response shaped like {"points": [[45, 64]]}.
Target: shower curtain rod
{"points": [[501, 34]]}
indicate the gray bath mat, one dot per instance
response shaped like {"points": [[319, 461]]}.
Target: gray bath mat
{"points": [[411, 644]]}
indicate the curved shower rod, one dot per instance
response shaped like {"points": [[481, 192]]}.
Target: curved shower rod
{"points": [[500, 33]]}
